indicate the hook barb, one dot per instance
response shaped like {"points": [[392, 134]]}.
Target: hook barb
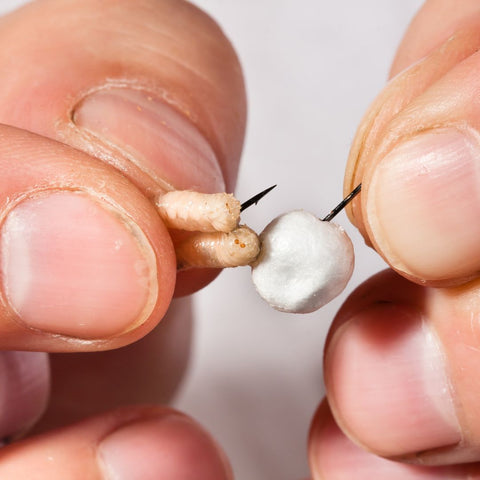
{"points": [[256, 198], [343, 203]]}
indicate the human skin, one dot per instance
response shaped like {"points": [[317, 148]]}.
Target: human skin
{"points": [[401, 360], [104, 105]]}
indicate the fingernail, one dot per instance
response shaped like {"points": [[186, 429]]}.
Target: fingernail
{"points": [[73, 265], [390, 386], [333, 455], [24, 387], [423, 205], [170, 447], [158, 138]]}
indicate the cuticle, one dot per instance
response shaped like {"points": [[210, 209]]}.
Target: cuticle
{"points": [[398, 140], [109, 152], [144, 86]]}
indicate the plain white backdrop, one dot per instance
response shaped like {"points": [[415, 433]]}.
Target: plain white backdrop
{"points": [[311, 67]]}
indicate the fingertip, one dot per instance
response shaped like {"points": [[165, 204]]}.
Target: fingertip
{"points": [[420, 206], [432, 95], [93, 255], [128, 443], [169, 111], [172, 446], [333, 455], [419, 185], [385, 375], [101, 274]]}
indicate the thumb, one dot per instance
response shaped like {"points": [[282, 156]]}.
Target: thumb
{"points": [[417, 152], [161, 98]]}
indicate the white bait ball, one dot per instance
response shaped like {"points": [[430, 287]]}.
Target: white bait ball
{"points": [[304, 263]]}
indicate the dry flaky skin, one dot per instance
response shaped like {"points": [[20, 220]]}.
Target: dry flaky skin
{"points": [[218, 250], [199, 212]]}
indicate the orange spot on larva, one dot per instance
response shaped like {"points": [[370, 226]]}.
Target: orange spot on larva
{"points": [[242, 245], [237, 241]]}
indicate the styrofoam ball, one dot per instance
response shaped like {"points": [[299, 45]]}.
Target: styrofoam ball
{"points": [[303, 264]]}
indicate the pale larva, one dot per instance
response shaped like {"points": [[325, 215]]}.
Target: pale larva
{"points": [[199, 212], [218, 250]]}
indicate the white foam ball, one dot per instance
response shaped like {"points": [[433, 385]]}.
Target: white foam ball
{"points": [[303, 264]]}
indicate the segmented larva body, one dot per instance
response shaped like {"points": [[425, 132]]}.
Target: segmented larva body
{"points": [[218, 250], [199, 212]]}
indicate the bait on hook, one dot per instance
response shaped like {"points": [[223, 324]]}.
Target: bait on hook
{"points": [[299, 262]]}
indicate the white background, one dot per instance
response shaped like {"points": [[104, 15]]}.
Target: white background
{"points": [[312, 67]]}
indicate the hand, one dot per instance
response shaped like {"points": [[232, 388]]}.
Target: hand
{"points": [[103, 104], [402, 357]]}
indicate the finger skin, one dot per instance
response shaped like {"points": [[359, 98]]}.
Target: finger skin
{"points": [[333, 456], [151, 43], [451, 316], [440, 36], [438, 91], [140, 442], [51, 80], [168, 51], [398, 94], [436, 21], [43, 166]]}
